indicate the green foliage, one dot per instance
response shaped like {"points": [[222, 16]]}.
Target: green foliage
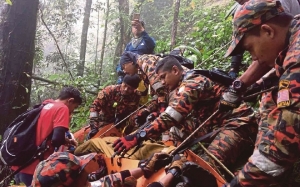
{"points": [[8, 2]]}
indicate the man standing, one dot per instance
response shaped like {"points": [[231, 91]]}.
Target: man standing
{"points": [[272, 37], [54, 118], [141, 43]]}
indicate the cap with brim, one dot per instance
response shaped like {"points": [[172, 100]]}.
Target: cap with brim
{"points": [[60, 169], [253, 13], [132, 80], [128, 57]]}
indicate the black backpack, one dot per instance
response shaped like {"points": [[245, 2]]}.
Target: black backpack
{"points": [[182, 60], [19, 141]]}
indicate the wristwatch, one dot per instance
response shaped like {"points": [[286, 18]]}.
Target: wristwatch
{"points": [[174, 172], [142, 134], [238, 85]]}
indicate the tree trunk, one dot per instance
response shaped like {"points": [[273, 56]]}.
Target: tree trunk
{"points": [[85, 28], [97, 41], [104, 38], [17, 35], [123, 10], [175, 23]]}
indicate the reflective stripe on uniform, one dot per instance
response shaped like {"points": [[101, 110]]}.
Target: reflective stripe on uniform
{"points": [[174, 114], [157, 86], [266, 165]]}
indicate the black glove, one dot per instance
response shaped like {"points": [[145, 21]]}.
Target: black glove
{"points": [[155, 162], [141, 117], [191, 172], [94, 128], [177, 162], [229, 100]]}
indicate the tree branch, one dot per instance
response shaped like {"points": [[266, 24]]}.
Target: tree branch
{"points": [[65, 63], [55, 83]]}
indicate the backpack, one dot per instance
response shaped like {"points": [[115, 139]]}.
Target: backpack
{"points": [[19, 140], [182, 60]]}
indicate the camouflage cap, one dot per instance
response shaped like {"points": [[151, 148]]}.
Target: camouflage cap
{"points": [[60, 169], [253, 13]]}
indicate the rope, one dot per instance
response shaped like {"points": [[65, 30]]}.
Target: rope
{"points": [[214, 54]]}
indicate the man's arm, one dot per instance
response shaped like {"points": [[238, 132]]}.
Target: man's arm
{"points": [[149, 42], [100, 102], [181, 103]]}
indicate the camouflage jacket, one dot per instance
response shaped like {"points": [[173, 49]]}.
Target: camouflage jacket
{"points": [[111, 103], [192, 102]]}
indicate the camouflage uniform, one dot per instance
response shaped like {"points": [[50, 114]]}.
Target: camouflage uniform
{"points": [[148, 64], [148, 76], [277, 146], [195, 99], [111, 104]]}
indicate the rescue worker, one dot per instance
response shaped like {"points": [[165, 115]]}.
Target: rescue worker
{"points": [[114, 103], [193, 99], [290, 6], [145, 66], [273, 39]]}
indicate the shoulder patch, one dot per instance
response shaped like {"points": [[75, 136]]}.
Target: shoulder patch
{"points": [[283, 98], [284, 84]]}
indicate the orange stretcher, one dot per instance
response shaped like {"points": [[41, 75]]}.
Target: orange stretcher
{"points": [[119, 164], [81, 135]]}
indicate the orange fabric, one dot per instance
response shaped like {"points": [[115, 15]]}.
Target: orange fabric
{"points": [[54, 114]]}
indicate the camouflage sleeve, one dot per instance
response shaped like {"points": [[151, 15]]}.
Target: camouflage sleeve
{"points": [[148, 63], [181, 103], [101, 101], [118, 180]]}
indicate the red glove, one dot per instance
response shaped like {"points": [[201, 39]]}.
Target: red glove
{"points": [[124, 144]]}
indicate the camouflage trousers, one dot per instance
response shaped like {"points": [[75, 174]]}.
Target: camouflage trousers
{"points": [[232, 147], [275, 160]]}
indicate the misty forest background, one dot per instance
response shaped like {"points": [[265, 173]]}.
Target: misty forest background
{"points": [[47, 44]]}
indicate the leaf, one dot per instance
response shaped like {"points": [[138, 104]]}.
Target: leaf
{"points": [[8, 2]]}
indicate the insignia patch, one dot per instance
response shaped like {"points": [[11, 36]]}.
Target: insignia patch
{"points": [[284, 84], [283, 99], [100, 95]]}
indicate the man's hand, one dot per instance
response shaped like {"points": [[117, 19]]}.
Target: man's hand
{"points": [[141, 117], [137, 28], [69, 142], [124, 144], [155, 162], [177, 162], [229, 100], [94, 125]]}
